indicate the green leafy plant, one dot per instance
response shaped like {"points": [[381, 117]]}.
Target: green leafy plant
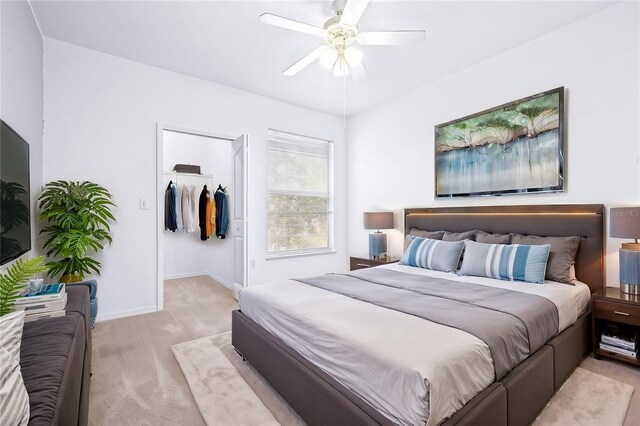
{"points": [[14, 280], [77, 216]]}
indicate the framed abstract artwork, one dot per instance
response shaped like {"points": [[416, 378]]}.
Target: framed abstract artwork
{"points": [[513, 148]]}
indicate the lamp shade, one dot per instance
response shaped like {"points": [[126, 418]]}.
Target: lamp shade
{"points": [[378, 220], [624, 222]]}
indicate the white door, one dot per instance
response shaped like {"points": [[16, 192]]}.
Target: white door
{"points": [[240, 220]]}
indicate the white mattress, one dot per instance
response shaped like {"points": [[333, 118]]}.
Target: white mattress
{"points": [[387, 357]]}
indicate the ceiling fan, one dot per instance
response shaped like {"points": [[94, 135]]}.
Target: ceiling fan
{"points": [[339, 34]]}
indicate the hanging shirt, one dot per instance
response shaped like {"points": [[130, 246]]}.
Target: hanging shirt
{"points": [[170, 221], [178, 197], [211, 209], [202, 213], [222, 216], [213, 215], [187, 209]]}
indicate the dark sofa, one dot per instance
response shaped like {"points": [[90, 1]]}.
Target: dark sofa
{"points": [[55, 359]]}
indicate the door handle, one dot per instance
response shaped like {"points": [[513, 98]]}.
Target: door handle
{"points": [[621, 313], [364, 265]]}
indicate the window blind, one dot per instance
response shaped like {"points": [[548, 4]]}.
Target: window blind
{"points": [[300, 194]]}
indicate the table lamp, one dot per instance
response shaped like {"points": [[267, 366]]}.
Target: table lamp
{"points": [[624, 222], [378, 240]]}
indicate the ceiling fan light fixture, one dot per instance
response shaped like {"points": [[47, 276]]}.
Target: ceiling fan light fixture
{"points": [[353, 56], [340, 69], [328, 57], [339, 33]]}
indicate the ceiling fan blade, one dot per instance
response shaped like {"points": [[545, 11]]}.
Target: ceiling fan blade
{"points": [[392, 38], [358, 73], [304, 62], [290, 24], [353, 11]]}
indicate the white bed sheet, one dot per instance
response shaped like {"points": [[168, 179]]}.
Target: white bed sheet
{"points": [[385, 356]]}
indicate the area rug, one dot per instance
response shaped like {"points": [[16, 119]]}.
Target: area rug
{"points": [[587, 399], [221, 394], [233, 393]]}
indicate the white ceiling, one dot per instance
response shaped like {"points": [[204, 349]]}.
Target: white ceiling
{"points": [[223, 41]]}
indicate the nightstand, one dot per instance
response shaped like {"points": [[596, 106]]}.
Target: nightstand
{"points": [[365, 262], [611, 308]]}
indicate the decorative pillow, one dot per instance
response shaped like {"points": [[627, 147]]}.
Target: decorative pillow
{"points": [[11, 333], [562, 256], [506, 262], [433, 254], [459, 236], [434, 235], [487, 238], [14, 400]]}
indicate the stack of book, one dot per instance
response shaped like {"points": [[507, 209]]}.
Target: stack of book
{"points": [[49, 302], [620, 343]]}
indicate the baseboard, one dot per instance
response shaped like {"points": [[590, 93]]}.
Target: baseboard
{"points": [[187, 275], [199, 274], [126, 313]]}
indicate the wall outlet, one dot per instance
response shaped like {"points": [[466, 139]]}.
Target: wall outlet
{"points": [[252, 263], [143, 204]]}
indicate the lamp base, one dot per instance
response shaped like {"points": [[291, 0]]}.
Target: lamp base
{"points": [[377, 244], [630, 288], [629, 269]]}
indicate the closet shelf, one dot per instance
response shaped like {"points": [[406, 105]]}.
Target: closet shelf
{"points": [[189, 175]]}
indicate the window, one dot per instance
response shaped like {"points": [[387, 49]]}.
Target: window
{"points": [[300, 191]]}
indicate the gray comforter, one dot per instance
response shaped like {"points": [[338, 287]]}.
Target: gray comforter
{"points": [[512, 324]]}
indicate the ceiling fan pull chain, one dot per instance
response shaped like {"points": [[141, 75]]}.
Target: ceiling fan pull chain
{"points": [[344, 101]]}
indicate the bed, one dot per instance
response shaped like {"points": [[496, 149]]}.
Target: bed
{"points": [[364, 365]]}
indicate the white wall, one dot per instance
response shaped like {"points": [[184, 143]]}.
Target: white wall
{"points": [[21, 89], [100, 118], [185, 254], [391, 146]]}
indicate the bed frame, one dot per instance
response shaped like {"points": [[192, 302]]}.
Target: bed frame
{"points": [[514, 400]]}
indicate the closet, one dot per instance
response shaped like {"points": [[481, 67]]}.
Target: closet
{"points": [[196, 235]]}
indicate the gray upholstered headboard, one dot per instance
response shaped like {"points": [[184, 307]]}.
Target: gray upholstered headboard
{"points": [[561, 220]]}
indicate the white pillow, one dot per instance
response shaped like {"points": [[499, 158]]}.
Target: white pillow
{"points": [[11, 333], [14, 400]]}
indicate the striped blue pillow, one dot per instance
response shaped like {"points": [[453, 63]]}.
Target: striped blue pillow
{"points": [[515, 262], [433, 254]]}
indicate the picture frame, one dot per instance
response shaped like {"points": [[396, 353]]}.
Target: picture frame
{"points": [[514, 148]]}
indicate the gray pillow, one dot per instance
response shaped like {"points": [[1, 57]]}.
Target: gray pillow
{"points": [[487, 238], [459, 236], [433, 254], [433, 235], [561, 258]]}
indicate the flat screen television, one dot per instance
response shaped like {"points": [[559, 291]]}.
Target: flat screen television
{"points": [[15, 226]]}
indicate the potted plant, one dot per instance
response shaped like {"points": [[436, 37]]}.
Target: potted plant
{"points": [[77, 216], [15, 279]]}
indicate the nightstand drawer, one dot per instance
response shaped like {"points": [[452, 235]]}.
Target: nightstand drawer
{"points": [[619, 312], [360, 264]]}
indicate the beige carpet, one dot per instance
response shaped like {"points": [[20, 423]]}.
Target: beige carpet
{"points": [[587, 399], [137, 381]]}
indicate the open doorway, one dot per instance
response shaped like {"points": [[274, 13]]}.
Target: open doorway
{"points": [[202, 207]]}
